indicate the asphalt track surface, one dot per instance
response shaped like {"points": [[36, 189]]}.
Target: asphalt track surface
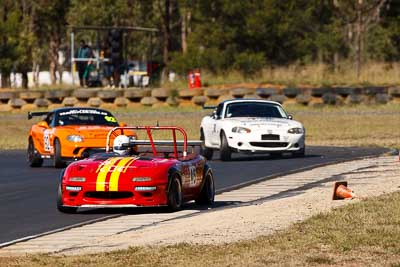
{"points": [[28, 195]]}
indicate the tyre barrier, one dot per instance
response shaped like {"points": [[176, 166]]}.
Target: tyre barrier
{"points": [[135, 97], [267, 92], [319, 92], [161, 94], [291, 92], [239, 92]]}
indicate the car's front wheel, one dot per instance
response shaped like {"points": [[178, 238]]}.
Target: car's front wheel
{"points": [[58, 161], [225, 150], [175, 197], [60, 204], [34, 159], [205, 151]]}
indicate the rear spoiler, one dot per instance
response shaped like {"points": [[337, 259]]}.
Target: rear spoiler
{"points": [[209, 107], [36, 114]]}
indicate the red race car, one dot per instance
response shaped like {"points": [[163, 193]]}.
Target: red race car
{"points": [[138, 173]]}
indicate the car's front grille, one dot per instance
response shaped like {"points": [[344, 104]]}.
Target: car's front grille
{"points": [[269, 144], [108, 195], [270, 137]]}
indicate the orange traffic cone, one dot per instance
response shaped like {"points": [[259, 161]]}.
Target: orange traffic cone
{"points": [[341, 191]]}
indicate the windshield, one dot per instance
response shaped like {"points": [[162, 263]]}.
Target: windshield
{"points": [[86, 117], [254, 109]]}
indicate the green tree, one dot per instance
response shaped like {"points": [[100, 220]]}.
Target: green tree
{"points": [[52, 26], [9, 39], [358, 17]]}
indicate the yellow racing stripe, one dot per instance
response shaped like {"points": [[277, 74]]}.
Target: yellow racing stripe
{"points": [[102, 173], [129, 163], [121, 167]]}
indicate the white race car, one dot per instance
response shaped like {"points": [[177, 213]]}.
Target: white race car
{"points": [[251, 126]]}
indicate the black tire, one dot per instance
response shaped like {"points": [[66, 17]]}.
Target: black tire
{"points": [[207, 193], [60, 204], [204, 151], [175, 198], [58, 161], [33, 157], [225, 150], [301, 153]]}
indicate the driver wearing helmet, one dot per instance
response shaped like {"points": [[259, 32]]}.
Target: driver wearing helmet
{"points": [[121, 146]]}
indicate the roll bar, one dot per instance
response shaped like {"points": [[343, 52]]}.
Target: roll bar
{"points": [[151, 142]]}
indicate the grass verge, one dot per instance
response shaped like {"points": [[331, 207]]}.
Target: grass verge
{"points": [[360, 125], [372, 73], [360, 234]]}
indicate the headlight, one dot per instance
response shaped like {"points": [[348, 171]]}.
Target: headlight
{"points": [[75, 138], [77, 179], [295, 131], [141, 179], [240, 130]]}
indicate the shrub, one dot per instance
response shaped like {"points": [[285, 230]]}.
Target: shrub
{"points": [[249, 64]]}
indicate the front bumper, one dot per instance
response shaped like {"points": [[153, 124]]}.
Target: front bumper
{"points": [[260, 142], [82, 149], [126, 196]]}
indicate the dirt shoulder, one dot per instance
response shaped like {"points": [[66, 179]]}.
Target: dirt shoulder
{"points": [[373, 177]]}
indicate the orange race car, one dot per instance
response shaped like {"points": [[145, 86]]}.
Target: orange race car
{"points": [[67, 134]]}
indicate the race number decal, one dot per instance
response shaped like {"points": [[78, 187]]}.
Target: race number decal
{"points": [[46, 140], [192, 173]]}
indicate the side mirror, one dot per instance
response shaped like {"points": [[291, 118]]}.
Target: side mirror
{"points": [[290, 117], [214, 115], [123, 124], [43, 124]]}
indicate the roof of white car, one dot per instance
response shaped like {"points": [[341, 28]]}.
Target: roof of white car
{"points": [[250, 100]]}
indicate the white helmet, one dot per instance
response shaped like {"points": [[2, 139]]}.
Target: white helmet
{"points": [[121, 145]]}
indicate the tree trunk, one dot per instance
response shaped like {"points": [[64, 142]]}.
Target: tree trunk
{"points": [[358, 42], [336, 62], [24, 75], [53, 55], [60, 66], [5, 80], [184, 30], [32, 29], [35, 74], [166, 38]]}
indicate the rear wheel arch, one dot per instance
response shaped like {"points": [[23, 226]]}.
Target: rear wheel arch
{"points": [[58, 161], [206, 169], [207, 193], [33, 156]]}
